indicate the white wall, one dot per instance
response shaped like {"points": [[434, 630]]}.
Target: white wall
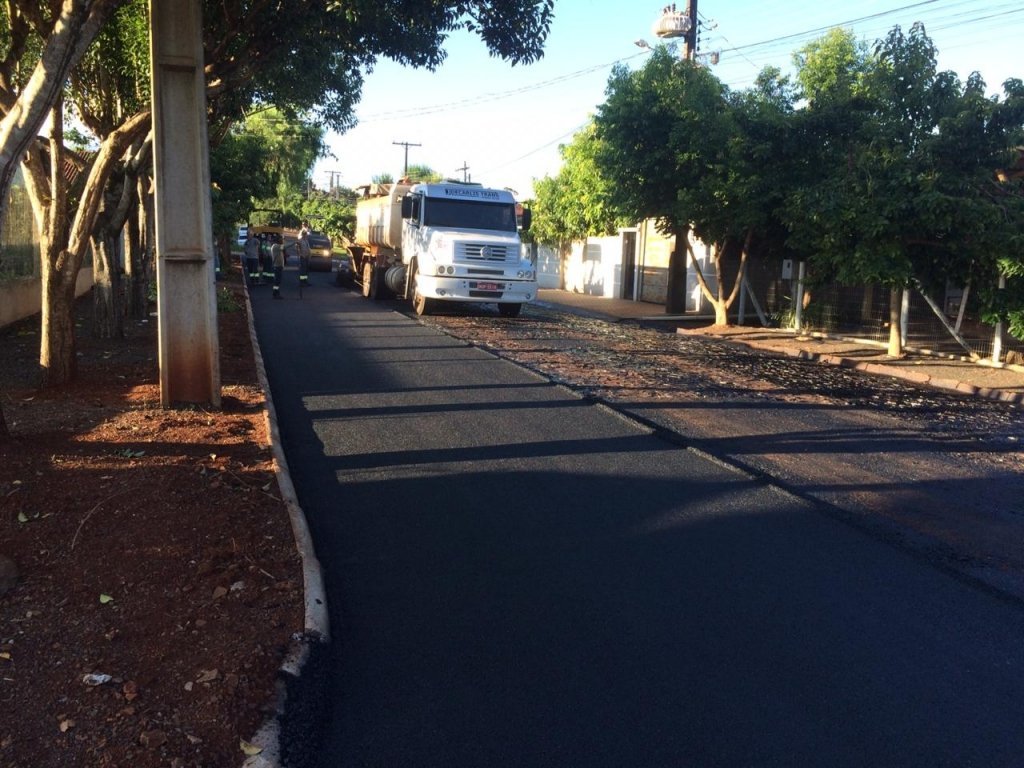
{"points": [[23, 297], [549, 266], [595, 267]]}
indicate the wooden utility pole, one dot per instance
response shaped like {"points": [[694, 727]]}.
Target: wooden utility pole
{"points": [[406, 144], [690, 38], [465, 171]]}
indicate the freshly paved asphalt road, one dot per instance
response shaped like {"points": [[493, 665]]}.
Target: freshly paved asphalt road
{"points": [[518, 577]]}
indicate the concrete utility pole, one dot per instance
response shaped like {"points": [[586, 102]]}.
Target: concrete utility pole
{"points": [[406, 144], [189, 350]]}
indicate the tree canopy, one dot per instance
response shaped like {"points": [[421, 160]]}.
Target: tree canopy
{"points": [[310, 67], [872, 165], [578, 201], [681, 149]]}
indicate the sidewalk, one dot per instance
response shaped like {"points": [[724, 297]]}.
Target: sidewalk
{"points": [[998, 383]]}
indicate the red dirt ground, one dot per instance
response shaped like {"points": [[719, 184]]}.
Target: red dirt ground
{"points": [[153, 548]]}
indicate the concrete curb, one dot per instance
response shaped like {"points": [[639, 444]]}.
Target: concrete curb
{"points": [[316, 624]]}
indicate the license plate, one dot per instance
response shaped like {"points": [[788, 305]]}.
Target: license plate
{"points": [[488, 286]]}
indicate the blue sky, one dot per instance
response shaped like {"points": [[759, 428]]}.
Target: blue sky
{"points": [[505, 123]]}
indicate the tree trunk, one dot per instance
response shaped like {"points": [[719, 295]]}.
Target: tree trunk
{"points": [[65, 237], [867, 304], [107, 295], [675, 297], [224, 248], [136, 263], [895, 348], [57, 343], [58, 265], [721, 302]]}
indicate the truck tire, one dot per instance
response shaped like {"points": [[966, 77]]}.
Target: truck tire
{"points": [[367, 279], [509, 310], [421, 305], [373, 282]]}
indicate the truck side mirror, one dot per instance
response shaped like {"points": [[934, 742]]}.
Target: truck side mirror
{"points": [[527, 219], [406, 206]]}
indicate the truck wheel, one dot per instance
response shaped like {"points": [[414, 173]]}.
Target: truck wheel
{"points": [[509, 310], [367, 280], [421, 305]]}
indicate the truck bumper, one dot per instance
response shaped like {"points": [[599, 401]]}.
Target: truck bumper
{"points": [[500, 290]]}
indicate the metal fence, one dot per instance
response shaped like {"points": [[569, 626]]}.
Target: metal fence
{"points": [[19, 245], [863, 311]]}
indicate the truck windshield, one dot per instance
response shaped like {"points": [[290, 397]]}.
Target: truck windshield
{"points": [[466, 214]]}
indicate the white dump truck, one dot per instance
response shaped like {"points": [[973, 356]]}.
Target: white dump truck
{"points": [[444, 241]]}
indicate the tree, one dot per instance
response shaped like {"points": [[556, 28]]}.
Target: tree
{"points": [[315, 68], [831, 68], [683, 150], [333, 214], [109, 85], [291, 145], [578, 202], [40, 45], [317, 65], [55, 39], [238, 174], [1002, 293], [907, 161], [422, 174], [107, 92]]}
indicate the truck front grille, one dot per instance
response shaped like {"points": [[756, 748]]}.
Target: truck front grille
{"points": [[483, 252]]}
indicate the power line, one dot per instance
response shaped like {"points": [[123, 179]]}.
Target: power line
{"points": [[534, 151], [958, 15], [764, 48], [470, 101]]}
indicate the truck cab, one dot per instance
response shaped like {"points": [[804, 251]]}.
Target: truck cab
{"points": [[460, 242]]}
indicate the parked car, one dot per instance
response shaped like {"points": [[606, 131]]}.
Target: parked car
{"points": [[320, 251], [341, 266]]}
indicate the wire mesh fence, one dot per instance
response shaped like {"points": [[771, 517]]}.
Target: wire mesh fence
{"points": [[19, 247], [864, 312]]}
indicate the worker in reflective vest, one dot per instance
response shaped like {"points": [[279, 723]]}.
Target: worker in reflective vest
{"points": [[277, 258]]}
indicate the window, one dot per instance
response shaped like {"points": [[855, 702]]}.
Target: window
{"points": [[467, 214]]}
